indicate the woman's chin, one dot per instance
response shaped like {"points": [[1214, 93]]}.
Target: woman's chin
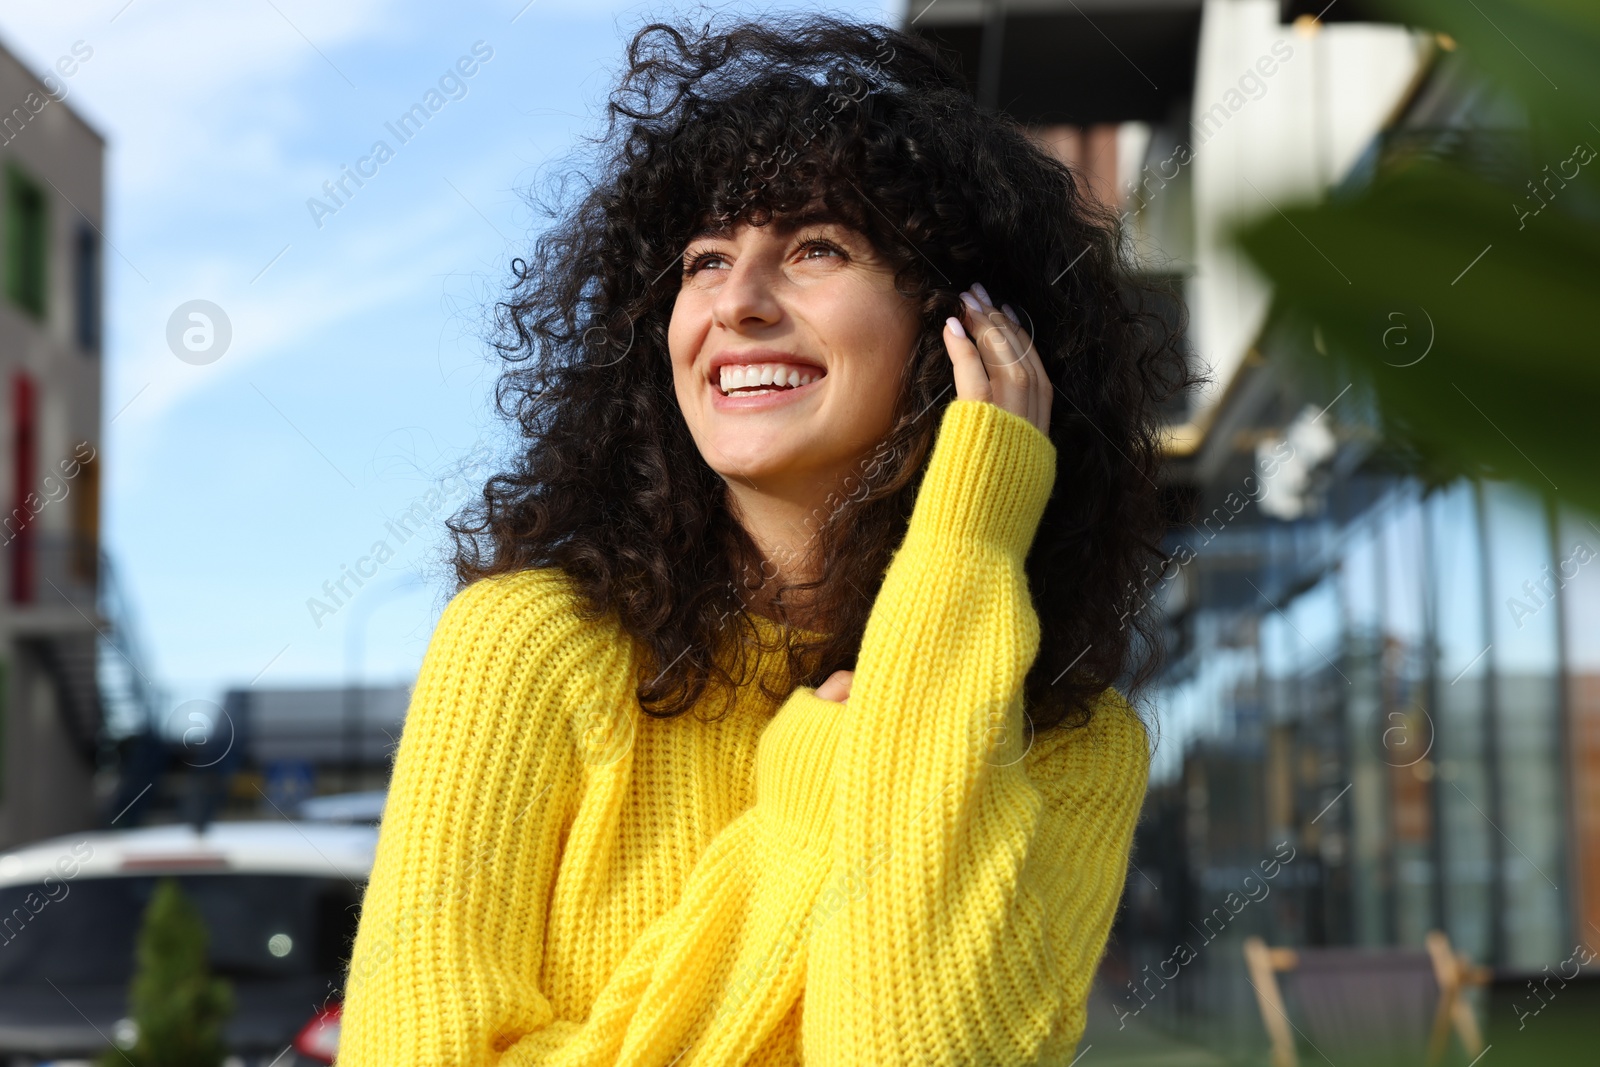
{"points": [[752, 470], [753, 464]]}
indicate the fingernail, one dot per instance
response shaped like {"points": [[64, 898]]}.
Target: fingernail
{"points": [[955, 327], [983, 294], [972, 302], [1012, 315]]}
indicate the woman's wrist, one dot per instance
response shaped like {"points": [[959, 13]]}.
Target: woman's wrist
{"points": [[988, 479]]}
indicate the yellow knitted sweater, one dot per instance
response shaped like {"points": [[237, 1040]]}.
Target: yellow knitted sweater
{"points": [[901, 879]]}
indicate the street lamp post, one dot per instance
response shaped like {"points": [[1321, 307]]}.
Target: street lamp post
{"points": [[354, 698]]}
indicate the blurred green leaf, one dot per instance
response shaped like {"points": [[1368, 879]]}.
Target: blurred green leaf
{"points": [[1467, 304], [1544, 50]]}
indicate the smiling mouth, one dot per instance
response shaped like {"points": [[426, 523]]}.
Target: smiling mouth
{"points": [[761, 378]]}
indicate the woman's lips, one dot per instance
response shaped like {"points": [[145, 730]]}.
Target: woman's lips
{"points": [[776, 398]]}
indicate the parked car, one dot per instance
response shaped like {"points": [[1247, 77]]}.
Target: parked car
{"points": [[280, 900], [344, 807]]}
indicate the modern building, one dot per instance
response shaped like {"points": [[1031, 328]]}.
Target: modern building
{"points": [[1386, 687], [319, 741], [52, 205], [261, 753], [1392, 670]]}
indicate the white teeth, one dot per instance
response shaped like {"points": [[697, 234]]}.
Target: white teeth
{"points": [[755, 376]]}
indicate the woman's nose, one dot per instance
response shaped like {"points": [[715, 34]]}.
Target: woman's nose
{"points": [[745, 297]]}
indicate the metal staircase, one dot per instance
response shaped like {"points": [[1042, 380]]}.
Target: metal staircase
{"points": [[130, 703], [130, 699]]}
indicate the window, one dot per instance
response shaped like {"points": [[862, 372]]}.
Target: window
{"points": [[5, 709], [25, 242], [1531, 809], [86, 287], [265, 929], [16, 527], [85, 553]]}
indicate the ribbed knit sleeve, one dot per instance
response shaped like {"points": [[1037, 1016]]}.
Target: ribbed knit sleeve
{"points": [[452, 927], [994, 871]]}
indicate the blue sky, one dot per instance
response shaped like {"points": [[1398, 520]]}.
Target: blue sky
{"points": [[356, 379]]}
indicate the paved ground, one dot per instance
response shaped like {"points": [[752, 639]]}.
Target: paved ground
{"points": [[1106, 1043], [1521, 1031]]}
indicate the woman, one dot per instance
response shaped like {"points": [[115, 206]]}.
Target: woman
{"points": [[745, 474]]}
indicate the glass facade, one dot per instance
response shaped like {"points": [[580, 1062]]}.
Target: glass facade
{"points": [[1382, 676], [1402, 688]]}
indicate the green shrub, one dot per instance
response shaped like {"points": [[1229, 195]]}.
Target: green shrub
{"points": [[178, 1007]]}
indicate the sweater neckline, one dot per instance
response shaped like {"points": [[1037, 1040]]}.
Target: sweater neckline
{"points": [[772, 627]]}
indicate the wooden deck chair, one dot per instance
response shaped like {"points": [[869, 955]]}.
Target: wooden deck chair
{"points": [[1365, 1001]]}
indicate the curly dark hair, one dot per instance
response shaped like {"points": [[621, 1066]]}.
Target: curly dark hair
{"points": [[756, 121]]}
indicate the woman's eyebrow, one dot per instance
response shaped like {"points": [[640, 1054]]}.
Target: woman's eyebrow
{"points": [[785, 224], [815, 216], [707, 233]]}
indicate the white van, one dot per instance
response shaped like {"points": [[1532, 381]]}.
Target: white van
{"points": [[280, 900]]}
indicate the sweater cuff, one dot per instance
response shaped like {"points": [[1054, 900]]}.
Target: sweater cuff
{"points": [[988, 480], [794, 769]]}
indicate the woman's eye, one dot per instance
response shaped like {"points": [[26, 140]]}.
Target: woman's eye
{"points": [[812, 246], [696, 262]]}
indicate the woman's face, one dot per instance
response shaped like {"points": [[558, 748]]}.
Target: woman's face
{"points": [[776, 303]]}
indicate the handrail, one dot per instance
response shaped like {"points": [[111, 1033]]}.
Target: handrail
{"points": [[132, 698]]}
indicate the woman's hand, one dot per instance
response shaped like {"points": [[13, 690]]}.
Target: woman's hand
{"points": [[996, 361], [837, 687], [1002, 368]]}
